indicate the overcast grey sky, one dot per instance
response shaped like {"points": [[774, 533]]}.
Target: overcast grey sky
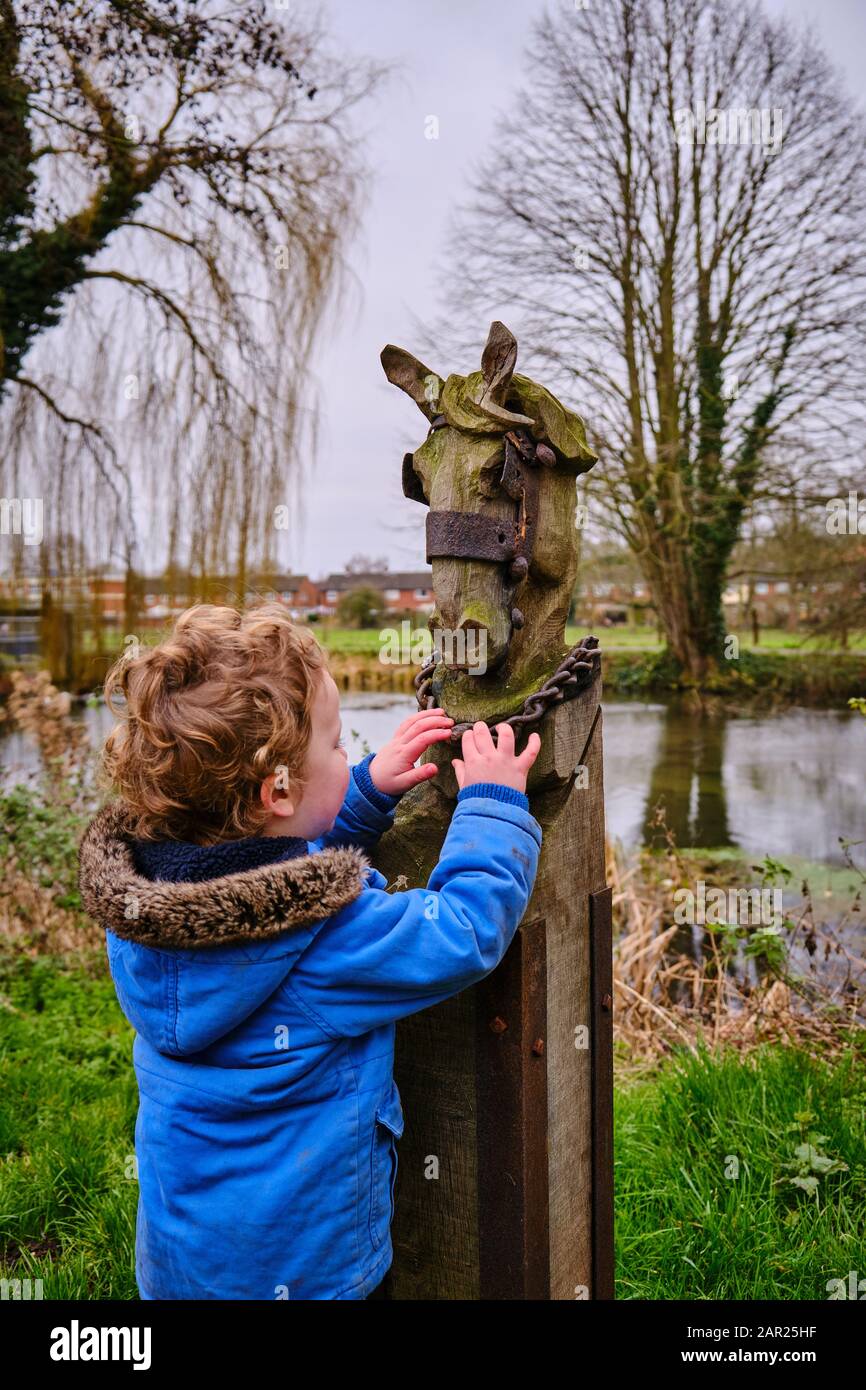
{"points": [[458, 60]]}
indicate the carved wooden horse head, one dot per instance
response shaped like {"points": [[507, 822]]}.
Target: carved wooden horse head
{"points": [[497, 471]]}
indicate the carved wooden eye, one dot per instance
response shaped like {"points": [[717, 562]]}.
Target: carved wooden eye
{"points": [[490, 474]]}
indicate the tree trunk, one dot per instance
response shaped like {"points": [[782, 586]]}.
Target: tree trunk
{"points": [[131, 601], [694, 634]]}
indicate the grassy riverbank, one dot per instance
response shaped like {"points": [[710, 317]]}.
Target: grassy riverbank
{"points": [[783, 668], [777, 673], [614, 639], [713, 1160], [760, 678]]}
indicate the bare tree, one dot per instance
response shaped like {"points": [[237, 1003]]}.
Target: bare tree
{"points": [[365, 564], [675, 206], [177, 180]]}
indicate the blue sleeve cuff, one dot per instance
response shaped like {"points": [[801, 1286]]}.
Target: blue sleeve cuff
{"points": [[365, 784], [497, 792]]}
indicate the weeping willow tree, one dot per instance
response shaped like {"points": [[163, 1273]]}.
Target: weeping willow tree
{"points": [[177, 181], [671, 218]]}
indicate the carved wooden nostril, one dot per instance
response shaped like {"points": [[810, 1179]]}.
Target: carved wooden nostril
{"points": [[516, 619]]}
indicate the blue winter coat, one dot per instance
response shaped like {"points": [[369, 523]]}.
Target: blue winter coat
{"points": [[266, 1136]]}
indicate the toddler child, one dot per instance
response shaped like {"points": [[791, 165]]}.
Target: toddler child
{"points": [[262, 962]]}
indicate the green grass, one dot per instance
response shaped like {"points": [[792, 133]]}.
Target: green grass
{"points": [[647, 639], [351, 641], [68, 1102], [366, 641], [685, 1230]]}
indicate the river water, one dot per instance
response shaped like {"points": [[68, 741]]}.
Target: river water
{"points": [[788, 783]]}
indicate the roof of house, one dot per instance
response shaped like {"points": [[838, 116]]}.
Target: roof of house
{"points": [[398, 579]]}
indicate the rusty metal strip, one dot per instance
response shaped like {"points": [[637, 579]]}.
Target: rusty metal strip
{"points": [[520, 481], [470, 536], [601, 994], [511, 1109]]}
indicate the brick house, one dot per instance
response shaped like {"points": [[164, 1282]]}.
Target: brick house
{"points": [[402, 591]]}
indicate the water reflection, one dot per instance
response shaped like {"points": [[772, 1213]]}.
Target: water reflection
{"points": [[687, 781], [789, 783]]}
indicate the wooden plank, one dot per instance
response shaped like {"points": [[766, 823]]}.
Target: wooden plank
{"points": [[601, 952], [572, 867], [435, 1227], [511, 1091]]}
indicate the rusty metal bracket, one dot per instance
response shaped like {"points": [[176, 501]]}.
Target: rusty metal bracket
{"points": [[520, 480], [470, 536], [474, 536]]}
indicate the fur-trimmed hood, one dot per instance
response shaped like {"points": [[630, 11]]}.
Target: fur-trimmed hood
{"points": [[253, 905]]}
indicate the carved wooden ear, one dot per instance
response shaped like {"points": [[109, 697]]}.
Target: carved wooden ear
{"points": [[497, 363], [405, 371]]}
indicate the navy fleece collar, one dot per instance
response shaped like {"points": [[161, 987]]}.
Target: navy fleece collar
{"points": [[179, 861]]}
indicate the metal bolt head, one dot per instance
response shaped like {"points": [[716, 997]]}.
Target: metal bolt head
{"points": [[519, 567], [498, 1025], [517, 619], [538, 1046]]}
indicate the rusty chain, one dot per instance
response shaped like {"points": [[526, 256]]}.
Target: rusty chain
{"points": [[576, 671]]}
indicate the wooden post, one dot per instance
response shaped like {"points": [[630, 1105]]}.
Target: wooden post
{"points": [[504, 1179], [504, 1186]]}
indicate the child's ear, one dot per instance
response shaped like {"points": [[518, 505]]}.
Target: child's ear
{"points": [[275, 795]]}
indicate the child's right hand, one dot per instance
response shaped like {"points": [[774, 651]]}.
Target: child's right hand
{"points": [[486, 761]]}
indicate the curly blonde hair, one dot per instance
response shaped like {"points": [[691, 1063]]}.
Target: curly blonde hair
{"points": [[207, 715]]}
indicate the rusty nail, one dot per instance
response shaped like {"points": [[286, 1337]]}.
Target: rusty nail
{"points": [[606, 1001], [538, 1046], [498, 1025]]}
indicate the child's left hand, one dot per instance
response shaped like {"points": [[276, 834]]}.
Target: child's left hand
{"points": [[392, 770]]}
